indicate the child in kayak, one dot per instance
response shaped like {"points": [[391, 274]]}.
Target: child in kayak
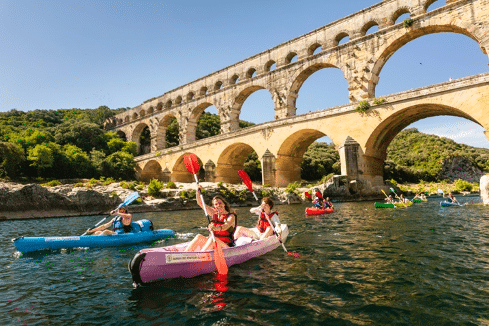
{"points": [[121, 224], [262, 224], [223, 225], [327, 203]]}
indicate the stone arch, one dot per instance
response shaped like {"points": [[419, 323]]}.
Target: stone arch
{"points": [[405, 38], [161, 131], [290, 57], [312, 48], [367, 26], [203, 91], [217, 86], [152, 169], [398, 13], [168, 104], [179, 172], [178, 100], [269, 65], [142, 113], [193, 118], [250, 72], [299, 79], [340, 36], [428, 4], [375, 151], [289, 156], [136, 134], [241, 98], [234, 79], [135, 116], [230, 161], [122, 135], [159, 106]]}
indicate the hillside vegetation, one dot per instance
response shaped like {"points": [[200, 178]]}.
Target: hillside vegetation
{"points": [[70, 143]]}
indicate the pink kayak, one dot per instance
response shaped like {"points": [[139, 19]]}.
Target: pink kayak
{"points": [[155, 264], [317, 211]]}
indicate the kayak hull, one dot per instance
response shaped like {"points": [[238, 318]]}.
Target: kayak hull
{"points": [[418, 200], [29, 244], [449, 204], [156, 264], [392, 205], [318, 211]]}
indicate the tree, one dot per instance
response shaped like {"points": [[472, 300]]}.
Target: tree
{"points": [[120, 165], [11, 159], [41, 156], [84, 135]]}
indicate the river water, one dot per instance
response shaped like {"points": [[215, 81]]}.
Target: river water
{"points": [[422, 265]]}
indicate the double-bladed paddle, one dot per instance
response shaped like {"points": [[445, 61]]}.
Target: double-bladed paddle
{"points": [[246, 179], [308, 195], [127, 201], [192, 165]]}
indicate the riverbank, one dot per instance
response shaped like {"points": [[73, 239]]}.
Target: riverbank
{"points": [[26, 201]]}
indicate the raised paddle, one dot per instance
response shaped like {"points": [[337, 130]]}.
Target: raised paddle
{"points": [[246, 179], [308, 195], [319, 195], [192, 165], [128, 200]]}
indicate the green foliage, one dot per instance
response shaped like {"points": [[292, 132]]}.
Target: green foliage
{"points": [[319, 160], [11, 159], [363, 106], [52, 183], [408, 22], [463, 186], [292, 187], [41, 157], [252, 167], [155, 187], [171, 185], [379, 101], [128, 185]]}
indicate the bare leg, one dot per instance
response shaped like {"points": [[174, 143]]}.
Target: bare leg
{"points": [[243, 231], [268, 232], [198, 240], [210, 244]]}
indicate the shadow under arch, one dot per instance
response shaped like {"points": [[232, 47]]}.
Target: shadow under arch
{"points": [[136, 137], [230, 161], [290, 154], [410, 36], [375, 151], [179, 172], [152, 169]]}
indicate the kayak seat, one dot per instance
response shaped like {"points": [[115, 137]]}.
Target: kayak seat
{"points": [[243, 240]]}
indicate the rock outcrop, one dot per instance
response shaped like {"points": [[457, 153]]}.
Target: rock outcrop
{"points": [[460, 168], [484, 189]]}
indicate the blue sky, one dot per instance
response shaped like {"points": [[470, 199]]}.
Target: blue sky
{"points": [[84, 54]]}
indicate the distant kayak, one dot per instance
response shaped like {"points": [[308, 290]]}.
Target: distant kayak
{"points": [[29, 244], [418, 200], [318, 211], [449, 204], [392, 205]]}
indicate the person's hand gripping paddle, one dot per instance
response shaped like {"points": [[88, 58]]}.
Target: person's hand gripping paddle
{"points": [[246, 179], [192, 165], [128, 200]]}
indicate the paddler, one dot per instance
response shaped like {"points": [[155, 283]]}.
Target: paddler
{"points": [[120, 224], [264, 228], [223, 224]]}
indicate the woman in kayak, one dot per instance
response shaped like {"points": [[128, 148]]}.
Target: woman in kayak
{"points": [[264, 228], [223, 225], [451, 198], [327, 203], [121, 224]]}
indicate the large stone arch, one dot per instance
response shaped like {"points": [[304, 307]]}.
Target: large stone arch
{"points": [[290, 153], [239, 100], [386, 52], [299, 79], [232, 159], [190, 132], [152, 169], [179, 172], [161, 131], [136, 134], [375, 151]]}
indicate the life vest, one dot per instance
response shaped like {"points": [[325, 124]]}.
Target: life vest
{"points": [[262, 223], [119, 227], [226, 235]]}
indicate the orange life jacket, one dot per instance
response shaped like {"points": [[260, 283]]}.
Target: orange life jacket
{"points": [[262, 223], [226, 235]]}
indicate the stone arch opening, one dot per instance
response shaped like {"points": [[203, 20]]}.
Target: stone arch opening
{"points": [[142, 137], [299, 81], [231, 160], [369, 28], [431, 5], [291, 57], [414, 34], [167, 133], [400, 14], [242, 102], [209, 119], [290, 155], [314, 48], [152, 169], [341, 38], [270, 65], [122, 135], [179, 172]]}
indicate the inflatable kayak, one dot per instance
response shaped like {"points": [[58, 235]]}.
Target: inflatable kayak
{"points": [[156, 264], [449, 204], [392, 205], [144, 233], [318, 211], [418, 200]]}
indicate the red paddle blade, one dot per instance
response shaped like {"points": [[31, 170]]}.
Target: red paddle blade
{"points": [[319, 195], [294, 254], [307, 195], [191, 163], [246, 179], [219, 260]]}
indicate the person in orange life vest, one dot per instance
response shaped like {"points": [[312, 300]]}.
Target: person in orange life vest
{"points": [[262, 225], [223, 225], [327, 203], [121, 224]]}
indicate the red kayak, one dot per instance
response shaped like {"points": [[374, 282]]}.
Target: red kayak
{"points": [[318, 211]]}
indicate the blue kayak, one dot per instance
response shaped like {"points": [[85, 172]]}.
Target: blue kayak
{"points": [[449, 204], [29, 244]]}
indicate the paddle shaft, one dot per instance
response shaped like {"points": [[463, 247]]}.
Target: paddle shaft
{"points": [[205, 208], [96, 225]]}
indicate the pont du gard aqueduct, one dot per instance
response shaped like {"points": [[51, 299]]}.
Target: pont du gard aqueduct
{"points": [[360, 137]]}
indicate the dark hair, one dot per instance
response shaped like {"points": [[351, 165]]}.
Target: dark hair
{"points": [[268, 201], [226, 204]]}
